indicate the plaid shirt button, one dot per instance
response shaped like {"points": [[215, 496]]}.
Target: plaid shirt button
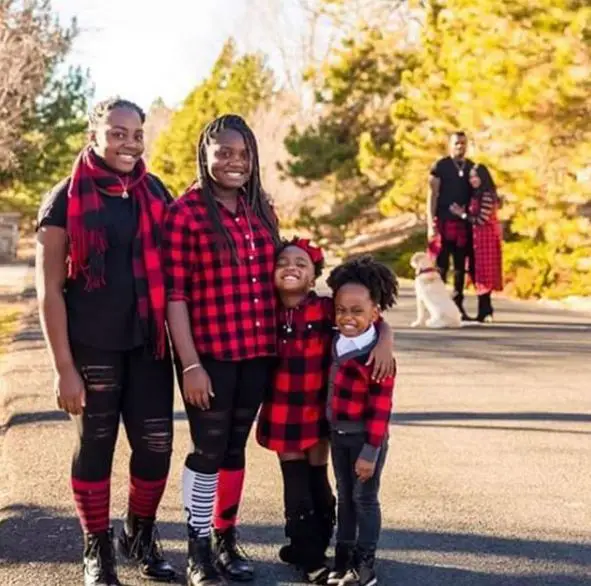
{"points": [[217, 290], [293, 416]]}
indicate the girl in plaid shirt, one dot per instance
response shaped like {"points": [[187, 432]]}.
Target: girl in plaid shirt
{"points": [[292, 421], [220, 240], [358, 411]]}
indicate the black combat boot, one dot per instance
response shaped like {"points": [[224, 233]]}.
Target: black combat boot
{"points": [[231, 560], [201, 570], [139, 541], [100, 568]]}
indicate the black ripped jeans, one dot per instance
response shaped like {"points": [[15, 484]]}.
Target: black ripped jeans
{"points": [[220, 433], [133, 386]]}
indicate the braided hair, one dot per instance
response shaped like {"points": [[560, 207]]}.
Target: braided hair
{"points": [[376, 277], [102, 109], [256, 198]]}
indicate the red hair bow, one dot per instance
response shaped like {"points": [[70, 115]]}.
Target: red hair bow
{"points": [[314, 252]]}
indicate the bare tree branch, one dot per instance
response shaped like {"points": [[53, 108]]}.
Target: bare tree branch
{"points": [[31, 43]]}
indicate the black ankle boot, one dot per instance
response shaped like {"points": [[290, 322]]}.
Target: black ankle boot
{"points": [[485, 309], [100, 568], [325, 522], [230, 558], [307, 549], [201, 570], [292, 553], [139, 541]]}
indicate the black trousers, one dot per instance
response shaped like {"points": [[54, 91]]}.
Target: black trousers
{"points": [[460, 255], [359, 516], [129, 385], [220, 433]]}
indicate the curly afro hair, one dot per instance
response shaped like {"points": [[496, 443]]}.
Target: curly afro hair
{"points": [[379, 280]]}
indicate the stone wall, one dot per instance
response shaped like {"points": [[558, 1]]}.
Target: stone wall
{"points": [[9, 234]]}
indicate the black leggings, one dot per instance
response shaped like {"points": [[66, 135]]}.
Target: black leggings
{"points": [[220, 433], [135, 387]]}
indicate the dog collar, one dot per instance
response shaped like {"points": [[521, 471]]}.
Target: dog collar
{"points": [[429, 270]]}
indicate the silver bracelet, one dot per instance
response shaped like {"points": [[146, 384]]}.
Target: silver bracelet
{"points": [[192, 367]]}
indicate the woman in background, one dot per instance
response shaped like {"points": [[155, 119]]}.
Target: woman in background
{"points": [[486, 264]]}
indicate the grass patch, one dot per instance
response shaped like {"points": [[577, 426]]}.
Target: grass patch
{"points": [[9, 316]]}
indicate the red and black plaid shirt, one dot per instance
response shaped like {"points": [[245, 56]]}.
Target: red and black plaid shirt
{"points": [[231, 305], [356, 398], [293, 415]]}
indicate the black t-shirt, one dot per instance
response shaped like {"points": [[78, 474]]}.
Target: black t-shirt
{"points": [[453, 188], [105, 318]]}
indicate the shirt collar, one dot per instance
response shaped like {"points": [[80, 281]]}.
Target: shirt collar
{"points": [[346, 345]]}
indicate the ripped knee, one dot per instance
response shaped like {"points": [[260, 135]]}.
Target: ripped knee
{"points": [[157, 435], [101, 426], [100, 379], [209, 447]]}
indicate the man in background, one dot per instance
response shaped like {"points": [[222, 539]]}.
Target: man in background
{"points": [[449, 184]]}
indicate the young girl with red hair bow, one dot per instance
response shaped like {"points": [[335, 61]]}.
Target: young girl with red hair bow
{"points": [[292, 421]]}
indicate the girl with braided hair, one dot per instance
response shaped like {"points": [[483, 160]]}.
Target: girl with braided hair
{"points": [[101, 293], [220, 243], [292, 421], [358, 412]]}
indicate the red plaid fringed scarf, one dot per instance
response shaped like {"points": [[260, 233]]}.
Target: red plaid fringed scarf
{"points": [[88, 238]]}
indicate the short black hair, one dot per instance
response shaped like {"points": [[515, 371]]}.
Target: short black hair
{"points": [[318, 265], [102, 109], [379, 280], [257, 199], [457, 134]]}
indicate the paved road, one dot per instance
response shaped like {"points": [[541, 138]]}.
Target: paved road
{"points": [[14, 277], [488, 481]]}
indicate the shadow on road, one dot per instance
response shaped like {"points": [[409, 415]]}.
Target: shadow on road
{"points": [[30, 534], [419, 418], [466, 419]]}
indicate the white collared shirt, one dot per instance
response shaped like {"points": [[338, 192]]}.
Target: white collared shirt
{"points": [[346, 345]]}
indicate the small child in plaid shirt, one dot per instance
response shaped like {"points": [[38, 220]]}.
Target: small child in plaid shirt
{"points": [[358, 412], [292, 421]]}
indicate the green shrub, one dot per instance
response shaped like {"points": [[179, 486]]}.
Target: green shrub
{"points": [[537, 269]]}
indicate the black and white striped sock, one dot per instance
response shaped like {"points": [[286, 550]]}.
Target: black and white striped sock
{"points": [[198, 498]]}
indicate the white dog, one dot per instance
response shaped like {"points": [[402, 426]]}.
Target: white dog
{"points": [[432, 296]]}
